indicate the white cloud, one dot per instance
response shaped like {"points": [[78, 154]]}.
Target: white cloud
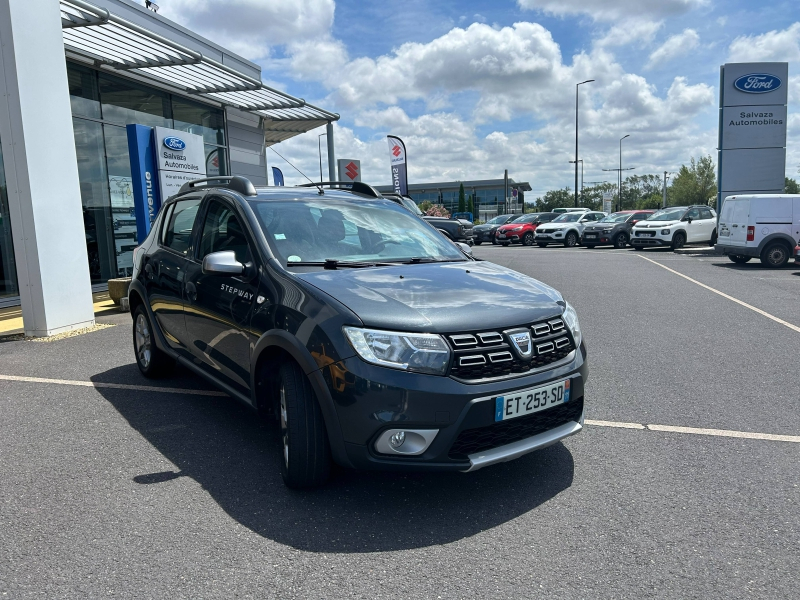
{"points": [[629, 32], [251, 27], [774, 46], [675, 46], [609, 10]]}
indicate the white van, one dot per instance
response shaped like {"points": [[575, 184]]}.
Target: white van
{"points": [[766, 226]]}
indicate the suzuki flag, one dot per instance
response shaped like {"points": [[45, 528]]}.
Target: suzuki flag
{"points": [[397, 158]]}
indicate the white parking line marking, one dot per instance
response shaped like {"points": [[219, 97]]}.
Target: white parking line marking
{"points": [[726, 296], [727, 433], [116, 386], [614, 424]]}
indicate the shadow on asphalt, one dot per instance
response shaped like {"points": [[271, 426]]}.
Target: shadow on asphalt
{"points": [[234, 454]]}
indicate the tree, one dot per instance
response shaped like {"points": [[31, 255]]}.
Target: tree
{"points": [[462, 202], [791, 187], [471, 206], [425, 205], [695, 184], [555, 199]]}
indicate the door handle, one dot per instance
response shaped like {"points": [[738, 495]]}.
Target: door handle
{"points": [[191, 291]]}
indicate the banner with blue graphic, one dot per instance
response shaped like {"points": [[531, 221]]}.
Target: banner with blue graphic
{"points": [[277, 176], [397, 159], [144, 176]]}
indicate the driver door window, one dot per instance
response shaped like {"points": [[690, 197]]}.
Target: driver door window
{"points": [[222, 231]]}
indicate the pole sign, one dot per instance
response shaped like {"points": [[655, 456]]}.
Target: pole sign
{"points": [[608, 198], [397, 159], [752, 129], [144, 178], [181, 158], [349, 170]]}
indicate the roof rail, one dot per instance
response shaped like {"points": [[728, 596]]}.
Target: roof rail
{"points": [[357, 187], [235, 183]]}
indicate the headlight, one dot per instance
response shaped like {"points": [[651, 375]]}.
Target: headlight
{"points": [[517, 228], [420, 352], [571, 319], [665, 232]]}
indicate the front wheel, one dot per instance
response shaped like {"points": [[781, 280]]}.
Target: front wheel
{"points": [[541, 245], [305, 451], [571, 240], [478, 243], [151, 361], [505, 244], [590, 246], [775, 255], [527, 239], [678, 240], [713, 241], [620, 241], [739, 259], [494, 242]]}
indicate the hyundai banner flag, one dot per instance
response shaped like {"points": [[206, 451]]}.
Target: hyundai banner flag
{"points": [[277, 176], [397, 158]]}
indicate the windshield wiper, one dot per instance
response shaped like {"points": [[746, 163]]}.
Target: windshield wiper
{"points": [[331, 263], [415, 260]]}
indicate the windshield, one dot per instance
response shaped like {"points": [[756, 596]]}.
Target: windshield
{"points": [[616, 218], [529, 218], [315, 230], [411, 205], [669, 214], [498, 220], [568, 218]]}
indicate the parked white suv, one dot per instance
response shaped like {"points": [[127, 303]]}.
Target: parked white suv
{"points": [[675, 227], [566, 229], [762, 226]]}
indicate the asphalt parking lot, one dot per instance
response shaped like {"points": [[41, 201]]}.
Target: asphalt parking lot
{"points": [[114, 489]]}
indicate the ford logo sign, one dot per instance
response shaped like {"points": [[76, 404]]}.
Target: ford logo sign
{"points": [[757, 83], [174, 143]]}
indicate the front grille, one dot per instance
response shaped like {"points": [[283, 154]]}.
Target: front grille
{"points": [[491, 354], [499, 434]]}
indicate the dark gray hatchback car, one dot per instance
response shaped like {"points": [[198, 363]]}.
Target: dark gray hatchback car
{"points": [[373, 341]]}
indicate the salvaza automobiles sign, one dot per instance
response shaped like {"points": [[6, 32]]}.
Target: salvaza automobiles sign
{"points": [[757, 83]]}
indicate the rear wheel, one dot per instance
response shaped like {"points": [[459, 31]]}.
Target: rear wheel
{"points": [[678, 240], [151, 361], [775, 255], [571, 240], [541, 245], [478, 243], [621, 241], [739, 259], [713, 240], [527, 239], [590, 246], [305, 452]]}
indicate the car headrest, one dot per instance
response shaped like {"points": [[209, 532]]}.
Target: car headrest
{"points": [[331, 226]]}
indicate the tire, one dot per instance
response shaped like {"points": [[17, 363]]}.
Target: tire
{"points": [[494, 242], [151, 361], [713, 241], [678, 240], [590, 246], [527, 239], [775, 255], [620, 241], [478, 243], [305, 451], [505, 244], [541, 245], [739, 259], [571, 240]]}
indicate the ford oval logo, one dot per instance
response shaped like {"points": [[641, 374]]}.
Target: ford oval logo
{"points": [[757, 83], [174, 143]]}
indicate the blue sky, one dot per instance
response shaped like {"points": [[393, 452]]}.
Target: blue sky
{"points": [[475, 87]]}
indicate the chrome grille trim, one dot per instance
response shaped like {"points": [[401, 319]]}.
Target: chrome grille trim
{"points": [[490, 337], [561, 342], [471, 361], [545, 348], [541, 329], [499, 357], [556, 325], [463, 340]]}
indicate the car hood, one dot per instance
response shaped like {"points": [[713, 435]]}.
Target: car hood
{"points": [[483, 227], [603, 226], [653, 224], [557, 225], [439, 298]]}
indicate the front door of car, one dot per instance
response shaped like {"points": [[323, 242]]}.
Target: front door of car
{"points": [[694, 226], [218, 307], [709, 223], [165, 270]]}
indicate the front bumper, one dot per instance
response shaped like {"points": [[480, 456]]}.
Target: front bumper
{"points": [[550, 238], [655, 241], [370, 400], [599, 239], [508, 237], [482, 236]]}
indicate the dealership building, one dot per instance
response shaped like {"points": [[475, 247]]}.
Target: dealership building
{"points": [[73, 75], [488, 194]]}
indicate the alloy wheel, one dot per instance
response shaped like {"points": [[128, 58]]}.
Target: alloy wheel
{"points": [[143, 341]]}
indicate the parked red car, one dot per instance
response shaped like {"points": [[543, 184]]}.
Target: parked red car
{"points": [[521, 230]]}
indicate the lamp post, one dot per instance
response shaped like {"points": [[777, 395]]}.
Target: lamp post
{"points": [[319, 146], [580, 161], [577, 85], [619, 192]]}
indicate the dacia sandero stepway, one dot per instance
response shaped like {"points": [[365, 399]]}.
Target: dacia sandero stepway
{"points": [[374, 341]]}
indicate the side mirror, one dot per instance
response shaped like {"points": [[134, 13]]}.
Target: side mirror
{"points": [[634, 222], [464, 248], [222, 263], [688, 219]]}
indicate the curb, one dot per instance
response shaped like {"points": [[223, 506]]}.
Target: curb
{"points": [[699, 251]]}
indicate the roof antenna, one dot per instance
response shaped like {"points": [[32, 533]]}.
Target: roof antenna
{"points": [[321, 193]]}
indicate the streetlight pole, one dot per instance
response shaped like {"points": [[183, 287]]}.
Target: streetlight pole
{"points": [[619, 189], [580, 161], [577, 85], [319, 146], [664, 201]]}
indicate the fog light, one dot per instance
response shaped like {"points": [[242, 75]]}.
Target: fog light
{"points": [[665, 232], [407, 442], [397, 439]]}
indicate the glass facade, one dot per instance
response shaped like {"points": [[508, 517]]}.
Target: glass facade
{"points": [[449, 196], [102, 105], [8, 271]]}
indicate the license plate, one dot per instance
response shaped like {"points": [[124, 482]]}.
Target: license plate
{"points": [[501, 235], [543, 235], [591, 235], [530, 401], [646, 233]]}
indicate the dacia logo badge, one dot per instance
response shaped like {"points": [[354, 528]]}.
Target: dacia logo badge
{"points": [[522, 342]]}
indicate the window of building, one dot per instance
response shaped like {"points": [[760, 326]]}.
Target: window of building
{"points": [[83, 93], [8, 270], [124, 102]]}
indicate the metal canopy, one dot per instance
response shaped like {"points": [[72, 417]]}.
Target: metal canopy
{"points": [[106, 39]]}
